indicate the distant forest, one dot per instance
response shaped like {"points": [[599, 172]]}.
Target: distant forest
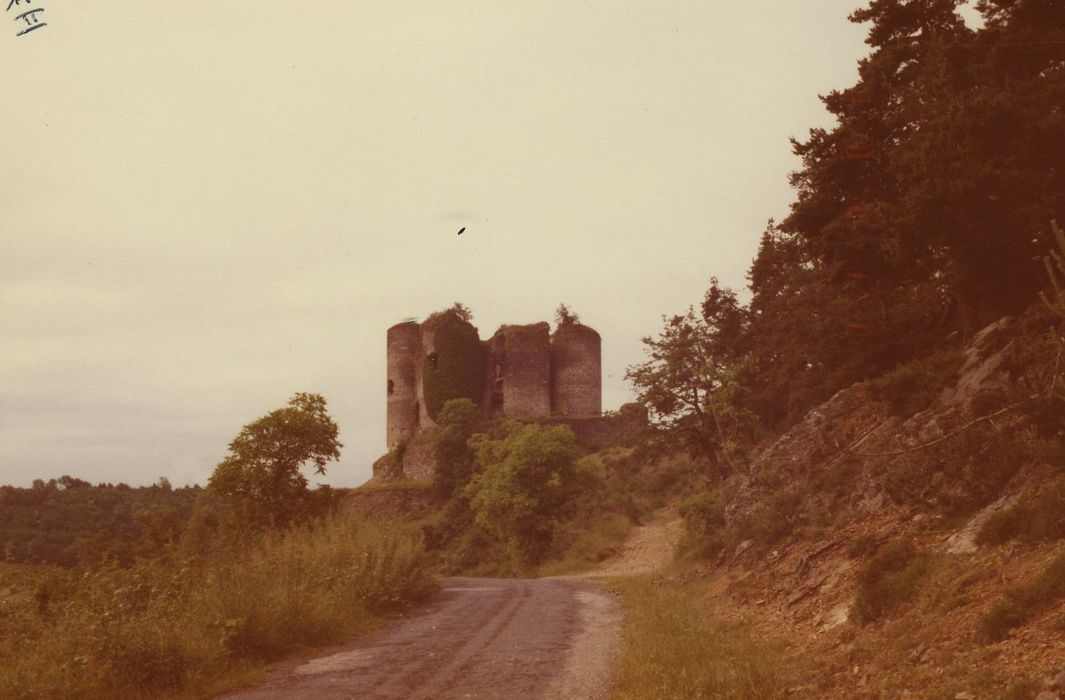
{"points": [[68, 521]]}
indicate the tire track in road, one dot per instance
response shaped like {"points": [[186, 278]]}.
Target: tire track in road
{"points": [[477, 638]]}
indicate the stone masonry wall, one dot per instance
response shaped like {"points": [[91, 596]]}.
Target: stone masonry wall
{"points": [[404, 352], [576, 372], [526, 370]]}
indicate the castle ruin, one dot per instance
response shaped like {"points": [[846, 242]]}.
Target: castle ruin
{"points": [[520, 372]]}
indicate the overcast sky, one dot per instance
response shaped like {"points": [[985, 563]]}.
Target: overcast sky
{"points": [[207, 207]]}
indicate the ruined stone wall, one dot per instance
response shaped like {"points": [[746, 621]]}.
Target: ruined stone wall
{"points": [[525, 369], [427, 347], [404, 353], [492, 398], [592, 433], [576, 372], [527, 372]]}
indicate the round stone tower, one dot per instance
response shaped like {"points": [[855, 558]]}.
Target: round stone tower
{"points": [[404, 358], [576, 372]]}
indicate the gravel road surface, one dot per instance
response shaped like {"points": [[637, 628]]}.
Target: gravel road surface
{"points": [[516, 639]]}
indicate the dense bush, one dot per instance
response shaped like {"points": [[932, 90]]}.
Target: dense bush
{"points": [[704, 524], [451, 451], [526, 481], [890, 578], [1038, 516]]}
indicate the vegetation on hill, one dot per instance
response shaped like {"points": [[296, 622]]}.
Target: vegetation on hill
{"points": [[516, 498], [67, 520], [204, 586], [921, 217], [862, 423], [183, 620], [262, 473]]}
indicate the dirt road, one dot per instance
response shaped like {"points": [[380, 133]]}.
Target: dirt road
{"points": [[512, 639], [477, 638]]}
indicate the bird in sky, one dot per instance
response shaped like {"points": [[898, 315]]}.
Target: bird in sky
{"points": [[461, 230]]}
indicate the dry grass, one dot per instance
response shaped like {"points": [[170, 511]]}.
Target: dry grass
{"points": [[177, 625], [1021, 603], [674, 649]]}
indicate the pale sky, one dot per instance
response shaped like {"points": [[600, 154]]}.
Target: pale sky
{"points": [[207, 207]]}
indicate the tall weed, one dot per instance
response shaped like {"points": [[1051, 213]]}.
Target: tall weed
{"points": [[179, 623]]}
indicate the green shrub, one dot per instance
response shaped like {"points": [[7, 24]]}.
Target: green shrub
{"points": [[451, 452], [705, 533], [773, 520], [1022, 603], [526, 482], [703, 513], [890, 578], [912, 387], [455, 367], [1037, 517]]}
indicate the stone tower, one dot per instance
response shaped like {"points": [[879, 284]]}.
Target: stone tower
{"points": [[528, 373], [523, 356], [576, 372], [404, 358]]}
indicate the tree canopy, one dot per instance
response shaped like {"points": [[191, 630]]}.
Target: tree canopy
{"points": [[919, 218], [263, 467], [527, 478]]}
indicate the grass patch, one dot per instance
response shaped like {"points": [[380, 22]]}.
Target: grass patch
{"points": [[176, 625], [673, 648], [890, 578], [599, 539], [1021, 603]]}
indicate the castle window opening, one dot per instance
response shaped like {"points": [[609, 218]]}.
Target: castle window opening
{"points": [[434, 359], [391, 387]]}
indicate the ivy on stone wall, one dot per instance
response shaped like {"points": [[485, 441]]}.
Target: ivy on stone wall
{"points": [[455, 367]]}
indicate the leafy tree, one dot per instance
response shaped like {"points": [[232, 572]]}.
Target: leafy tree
{"points": [[527, 479], [691, 385], [264, 461], [920, 217], [451, 452]]}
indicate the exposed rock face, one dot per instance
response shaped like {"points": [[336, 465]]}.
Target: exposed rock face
{"points": [[825, 503], [854, 425]]}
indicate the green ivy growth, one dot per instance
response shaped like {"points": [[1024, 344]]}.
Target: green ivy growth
{"points": [[455, 368]]}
